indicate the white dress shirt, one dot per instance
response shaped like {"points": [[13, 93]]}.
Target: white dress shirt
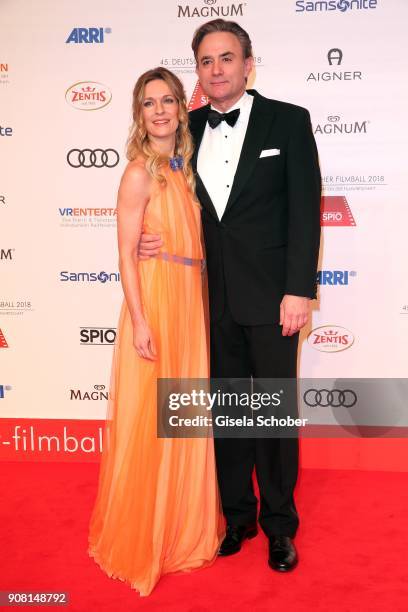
{"points": [[219, 154]]}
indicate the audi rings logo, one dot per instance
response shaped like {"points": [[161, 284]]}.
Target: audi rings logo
{"points": [[334, 398], [93, 158]]}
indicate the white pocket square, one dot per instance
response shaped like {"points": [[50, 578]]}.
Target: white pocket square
{"points": [[269, 152]]}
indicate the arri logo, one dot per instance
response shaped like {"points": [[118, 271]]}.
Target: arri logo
{"points": [[3, 389], [334, 5], [88, 35], [336, 212], [330, 338], [335, 277], [211, 8], [97, 335], [89, 277], [88, 95]]}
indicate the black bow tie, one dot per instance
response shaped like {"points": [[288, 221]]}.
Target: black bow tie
{"points": [[215, 118]]}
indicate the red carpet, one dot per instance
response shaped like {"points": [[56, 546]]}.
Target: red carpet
{"points": [[352, 543]]}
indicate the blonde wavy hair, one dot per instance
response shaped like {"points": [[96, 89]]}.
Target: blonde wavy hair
{"points": [[138, 142]]}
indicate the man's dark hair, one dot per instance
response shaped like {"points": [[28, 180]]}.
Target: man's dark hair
{"points": [[221, 25]]}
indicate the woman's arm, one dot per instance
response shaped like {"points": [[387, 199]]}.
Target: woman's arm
{"points": [[133, 196]]}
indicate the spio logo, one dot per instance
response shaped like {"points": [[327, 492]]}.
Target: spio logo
{"points": [[89, 277], [97, 335], [3, 341], [335, 277], [88, 95], [88, 35], [333, 398], [330, 338], [6, 254], [93, 158], [336, 212], [335, 56], [334, 5], [3, 389]]}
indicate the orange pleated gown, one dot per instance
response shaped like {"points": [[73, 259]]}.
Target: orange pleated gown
{"points": [[157, 509]]}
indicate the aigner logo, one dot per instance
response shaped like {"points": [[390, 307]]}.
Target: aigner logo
{"points": [[335, 58], [88, 95], [93, 158]]}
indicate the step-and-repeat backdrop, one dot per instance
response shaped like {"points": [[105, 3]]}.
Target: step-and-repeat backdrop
{"points": [[67, 70]]}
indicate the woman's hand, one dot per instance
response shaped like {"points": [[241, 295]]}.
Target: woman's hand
{"points": [[143, 341]]}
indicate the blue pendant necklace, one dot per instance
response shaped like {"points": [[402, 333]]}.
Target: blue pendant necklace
{"points": [[176, 162]]}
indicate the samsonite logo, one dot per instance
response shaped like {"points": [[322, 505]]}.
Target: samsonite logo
{"points": [[330, 338], [88, 95], [334, 5], [88, 35]]}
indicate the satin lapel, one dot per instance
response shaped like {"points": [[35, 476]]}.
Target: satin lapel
{"points": [[197, 130], [260, 119]]}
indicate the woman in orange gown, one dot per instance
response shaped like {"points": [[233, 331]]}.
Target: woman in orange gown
{"points": [[157, 509]]}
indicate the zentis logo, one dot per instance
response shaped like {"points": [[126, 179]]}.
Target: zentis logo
{"points": [[330, 338], [88, 95]]}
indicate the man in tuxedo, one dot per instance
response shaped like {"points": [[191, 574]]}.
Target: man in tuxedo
{"points": [[258, 182]]}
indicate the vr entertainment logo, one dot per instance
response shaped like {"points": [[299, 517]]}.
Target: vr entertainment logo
{"points": [[210, 10], [334, 5]]}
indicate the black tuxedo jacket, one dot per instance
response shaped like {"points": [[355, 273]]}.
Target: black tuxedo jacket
{"points": [[266, 244]]}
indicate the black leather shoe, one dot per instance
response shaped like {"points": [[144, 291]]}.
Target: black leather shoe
{"points": [[282, 554], [235, 536]]}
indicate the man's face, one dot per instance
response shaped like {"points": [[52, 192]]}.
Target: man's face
{"points": [[221, 67]]}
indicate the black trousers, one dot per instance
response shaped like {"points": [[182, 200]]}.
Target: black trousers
{"points": [[242, 351]]}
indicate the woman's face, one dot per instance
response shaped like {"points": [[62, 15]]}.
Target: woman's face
{"points": [[160, 110]]}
